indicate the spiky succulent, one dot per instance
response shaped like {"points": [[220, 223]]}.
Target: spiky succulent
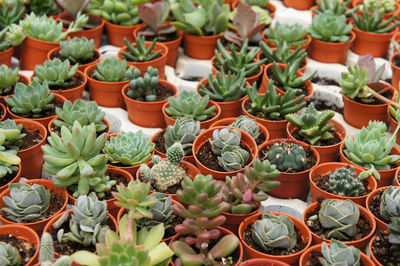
{"points": [[224, 137], [11, 133], [294, 34], [390, 203], [287, 156], [31, 100], [77, 50], [113, 70], [274, 231], [339, 254], [139, 52], [384, 6], [165, 173], [344, 182], [190, 103], [329, 27], [224, 88], [75, 160], [4, 42], [260, 3], [338, 7], [9, 255], [115, 11], [184, 131], [374, 21], [59, 74], [283, 53], [43, 7], [314, 126], [46, 253], [8, 79], [11, 11], [341, 216], [248, 125], [129, 148], [144, 87]]}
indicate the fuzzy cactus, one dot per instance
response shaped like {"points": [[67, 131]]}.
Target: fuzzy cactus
{"points": [[46, 253], [9, 255], [390, 203], [248, 125], [344, 182], [287, 157]]}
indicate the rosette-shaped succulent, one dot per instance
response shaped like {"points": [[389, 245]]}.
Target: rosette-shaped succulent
{"points": [[184, 131], [341, 216], [224, 137], [57, 73], [344, 182], [129, 148], [113, 70], [330, 27], [9, 255], [8, 79], [12, 134], [287, 157], [161, 212], [144, 88], [339, 254], [390, 203], [26, 203], [77, 50], [274, 231], [248, 125], [233, 158], [293, 34], [122, 251]]}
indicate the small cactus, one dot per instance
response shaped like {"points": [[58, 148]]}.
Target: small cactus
{"points": [[287, 157], [344, 182]]}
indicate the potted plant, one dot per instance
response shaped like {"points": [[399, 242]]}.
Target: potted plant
{"points": [[106, 80], [295, 35], [10, 163], [202, 25], [264, 7], [8, 80], [395, 63], [273, 235], [317, 129], [388, 7], [145, 96], [199, 242], [154, 16], [11, 12], [143, 55], [303, 5], [34, 102], [78, 51], [331, 38], [43, 7], [224, 151], [46, 253], [341, 220], [338, 7]]}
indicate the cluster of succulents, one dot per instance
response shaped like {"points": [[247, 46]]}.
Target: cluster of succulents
{"points": [[283, 53], [345, 182], [374, 21], [139, 52], [113, 70], [77, 50], [11, 11], [8, 79], [43, 7], [248, 125], [384, 6], [287, 156], [57, 73], [144, 87], [115, 11]]}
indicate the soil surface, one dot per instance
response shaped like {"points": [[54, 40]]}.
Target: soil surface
{"points": [[303, 89], [7, 178], [26, 249], [32, 138], [384, 252], [159, 142], [162, 94], [374, 101], [324, 81], [375, 207], [336, 139], [322, 105], [87, 61]]}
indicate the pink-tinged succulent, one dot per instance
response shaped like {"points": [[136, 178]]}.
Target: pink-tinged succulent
{"points": [[155, 15]]}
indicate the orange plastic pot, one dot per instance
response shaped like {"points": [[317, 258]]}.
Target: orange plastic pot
{"points": [[291, 259], [147, 114], [305, 257], [158, 63], [328, 153], [386, 175], [14, 180], [300, 5], [375, 44], [360, 244], [204, 136], [263, 262], [330, 52], [23, 233], [379, 223], [323, 169], [5, 56], [54, 53], [393, 124], [34, 52], [105, 121], [273, 45], [200, 47], [37, 226], [4, 110], [396, 71], [371, 253], [233, 221], [117, 33], [107, 94], [293, 185], [172, 46], [32, 158], [396, 177]]}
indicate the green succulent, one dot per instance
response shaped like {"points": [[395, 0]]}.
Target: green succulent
{"points": [[374, 21], [12, 134], [31, 100], [46, 253], [224, 137], [384, 6], [129, 148], [9, 160], [57, 73], [330, 27], [283, 53], [78, 50], [274, 231], [11, 11], [113, 70], [9, 255], [314, 126], [248, 125], [139, 52], [144, 87], [233, 158], [260, 3], [294, 34], [115, 11], [4, 42], [8, 79], [287, 156], [390, 203], [394, 231], [339, 254], [338, 7], [185, 130], [190, 103], [154, 15], [43, 7], [344, 182]]}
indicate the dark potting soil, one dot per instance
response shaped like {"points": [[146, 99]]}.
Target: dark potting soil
{"points": [[336, 139], [162, 94], [300, 245], [7, 178], [375, 101], [218, 66], [32, 138], [190, 78], [26, 249], [160, 37], [260, 115], [396, 61], [78, 80], [159, 142], [384, 252], [322, 105], [57, 130], [375, 207], [303, 89], [324, 81], [84, 62], [210, 160]]}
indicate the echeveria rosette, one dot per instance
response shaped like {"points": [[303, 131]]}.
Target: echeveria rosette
{"points": [[390, 203], [339, 254], [329, 27], [9, 255], [224, 137]]}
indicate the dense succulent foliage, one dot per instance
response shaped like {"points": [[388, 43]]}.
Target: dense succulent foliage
{"points": [[115, 11], [9, 160], [338, 7], [390, 203], [73, 7], [113, 70], [139, 52], [287, 156], [43, 7], [283, 53], [339, 254], [57, 73], [384, 6], [77, 50], [374, 21], [294, 34], [330, 27], [4, 42], [46, 253], [344, 182], [394, 231], [8, 79], [11, 11], [144, 87], [9, 255], [248, 125]]}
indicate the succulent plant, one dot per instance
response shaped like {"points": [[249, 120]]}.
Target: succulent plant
{"points": [[46, 253], [129, 148], [344, 182], [274, 231], [224, 137], [330, 27], [384, 6], [11, 11], [9, 255], [9, 160], [165, 173], [247, 124], [283, 53], [4, 42], [390, 203], [184, 131], [233, 158], [341, 216], [374, 21], [272, 105], [394, 231], [238, 62], [139, 52], [73, 7], [144, 87], [294, 34], [75, 160], [77, 50], [115, 11], [57, 73], [287, 156], [338, 7], [113, 70], [161, 213], [224, 88], [84, 112], [11, 134], [8, 79], [43, 7], [31, 100], [339, 254], [314, 126]]}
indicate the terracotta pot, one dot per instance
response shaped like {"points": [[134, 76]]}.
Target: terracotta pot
{"points": [[393, 124], [328, 153], [375, 44], [117, 33], [5, 56], [396, 177], [272, 45], [330, 52], [107, 94], [4, 111], [305, 257], [200, 47], [381, 225], [293, 185], [263, 262], [300, 5], [233, 221], [147, 114], [301, 69], [171, 45], [360, 244], [386, 175], [396, 71], [105, 121], [371, 253], [359, 114], [14, 180], [323, 169], [289, 259], [23, 233], [34, 52], [54, 53], [246, 140], [44, 120], [158, 63]]}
